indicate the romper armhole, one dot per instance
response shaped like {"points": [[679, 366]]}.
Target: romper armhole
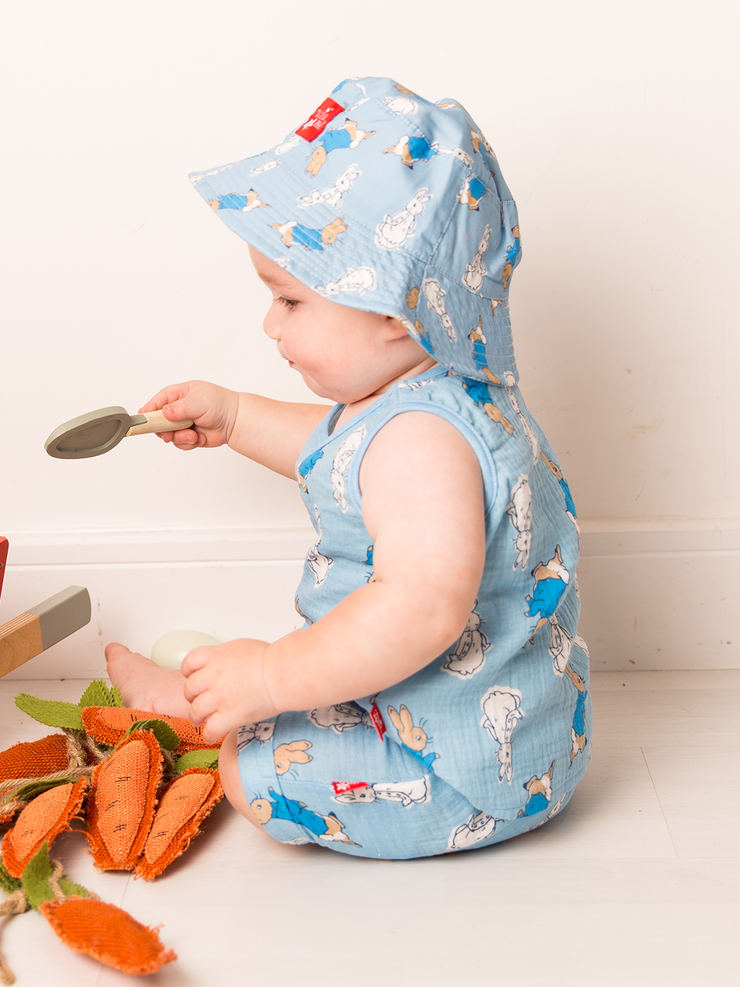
{"points": [[483, 455]]}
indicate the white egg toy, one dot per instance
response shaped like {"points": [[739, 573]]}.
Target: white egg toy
{"points": [[170, 649]]}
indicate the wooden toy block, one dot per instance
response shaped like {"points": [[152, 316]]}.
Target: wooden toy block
{"points": [[39, 628]]}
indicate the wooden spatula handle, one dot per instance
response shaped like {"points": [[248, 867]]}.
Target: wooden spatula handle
{"points": [[156, 422]]}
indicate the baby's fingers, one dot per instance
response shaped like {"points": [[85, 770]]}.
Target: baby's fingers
{"points": [[215, 728], [167, 396], [185, 439], [201, 708], [195, 660], [193, 400]]}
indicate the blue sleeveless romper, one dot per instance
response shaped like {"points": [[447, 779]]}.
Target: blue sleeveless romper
{"points": [[489, 739]]}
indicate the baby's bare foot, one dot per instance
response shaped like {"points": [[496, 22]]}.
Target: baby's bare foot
{"points": [[145, 685]]}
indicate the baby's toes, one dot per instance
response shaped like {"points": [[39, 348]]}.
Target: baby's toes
{"points": [[114, 651]]}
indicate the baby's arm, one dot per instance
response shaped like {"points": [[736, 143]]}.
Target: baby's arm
{"points": [[423, 506], [269, 432]]}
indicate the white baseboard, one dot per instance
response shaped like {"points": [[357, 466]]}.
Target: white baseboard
{"points": [[656, 595]]}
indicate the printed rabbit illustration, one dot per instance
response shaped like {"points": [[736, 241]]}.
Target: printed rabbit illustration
{"points": [[526, 427], [293, 232], [570, 507], [277, 806], [475, 271], [194, 179], [478, 827], [348, 136], [288, 145], [244, 202], [476, 139], [411, 150], [558, 806], [401, 105], [512, 252], [249, 732], [334, 195], [561, 644], [501, 713], [578, 730], [356, 280], [461, 155], [520, 515], [306, 466], [413, 738], [479, 392], [471, 193], [394, 230], [478, 339], [408, 793], [550, 581], [318, 563], [285, 755], [341, 464], [261, 169], [339, 717], [435, 296], [469, 655], [540, 793]]}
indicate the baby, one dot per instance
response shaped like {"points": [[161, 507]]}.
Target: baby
{"points": [[424, 706]]}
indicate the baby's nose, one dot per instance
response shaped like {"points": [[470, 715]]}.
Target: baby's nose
{"points": [[272, 327]]}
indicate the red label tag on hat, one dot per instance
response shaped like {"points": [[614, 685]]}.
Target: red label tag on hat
{"points": [[318, 120], [377, 720], [340, 787]]}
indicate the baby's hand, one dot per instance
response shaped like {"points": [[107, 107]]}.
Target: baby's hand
{"points": [[225, 686], [213, 410]]}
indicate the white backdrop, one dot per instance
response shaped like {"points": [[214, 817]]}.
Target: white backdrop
{"points": [[616, 128]]}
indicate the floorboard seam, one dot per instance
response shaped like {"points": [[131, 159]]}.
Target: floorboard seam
{"points": [[662, 811]]}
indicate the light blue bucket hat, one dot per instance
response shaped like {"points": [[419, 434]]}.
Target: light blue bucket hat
{"points": [[388, 203]]}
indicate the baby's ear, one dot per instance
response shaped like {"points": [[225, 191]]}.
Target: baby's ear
{"points": [[394, 328]]}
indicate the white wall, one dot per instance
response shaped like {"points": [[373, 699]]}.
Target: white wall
{"points": [[615, 125]]}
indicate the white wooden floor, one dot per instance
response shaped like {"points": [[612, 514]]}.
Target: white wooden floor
{"points": [[636, 883]]}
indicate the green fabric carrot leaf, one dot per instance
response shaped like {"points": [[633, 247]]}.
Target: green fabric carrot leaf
{"points": [[99, 694], [51, 712]]}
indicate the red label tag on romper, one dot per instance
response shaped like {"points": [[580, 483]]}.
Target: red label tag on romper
{"points": [[377, 720], [340, 787], [318, 120]]}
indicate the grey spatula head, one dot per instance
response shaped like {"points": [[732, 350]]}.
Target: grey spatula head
{"points": [[91, 434]]}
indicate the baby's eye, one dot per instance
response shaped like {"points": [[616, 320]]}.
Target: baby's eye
{"points": [[290, 302]]}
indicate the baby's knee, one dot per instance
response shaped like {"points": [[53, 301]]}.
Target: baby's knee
{"points": [[228, 770]]}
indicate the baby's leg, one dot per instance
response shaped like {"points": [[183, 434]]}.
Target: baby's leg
{"points": [[145, 685], [228, 771]]}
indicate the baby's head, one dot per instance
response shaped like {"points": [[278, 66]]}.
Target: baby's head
{"points": [[344, 354], [394, 208]]}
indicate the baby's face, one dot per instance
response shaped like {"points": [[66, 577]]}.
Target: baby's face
{"points": [[342, 353]]}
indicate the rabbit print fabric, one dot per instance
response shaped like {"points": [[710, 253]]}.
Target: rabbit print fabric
{"points": [[491, 738]]}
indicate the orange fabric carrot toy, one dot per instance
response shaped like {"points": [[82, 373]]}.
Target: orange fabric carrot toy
{"points": [[139, 786], [41, 822], [108, 934]]}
